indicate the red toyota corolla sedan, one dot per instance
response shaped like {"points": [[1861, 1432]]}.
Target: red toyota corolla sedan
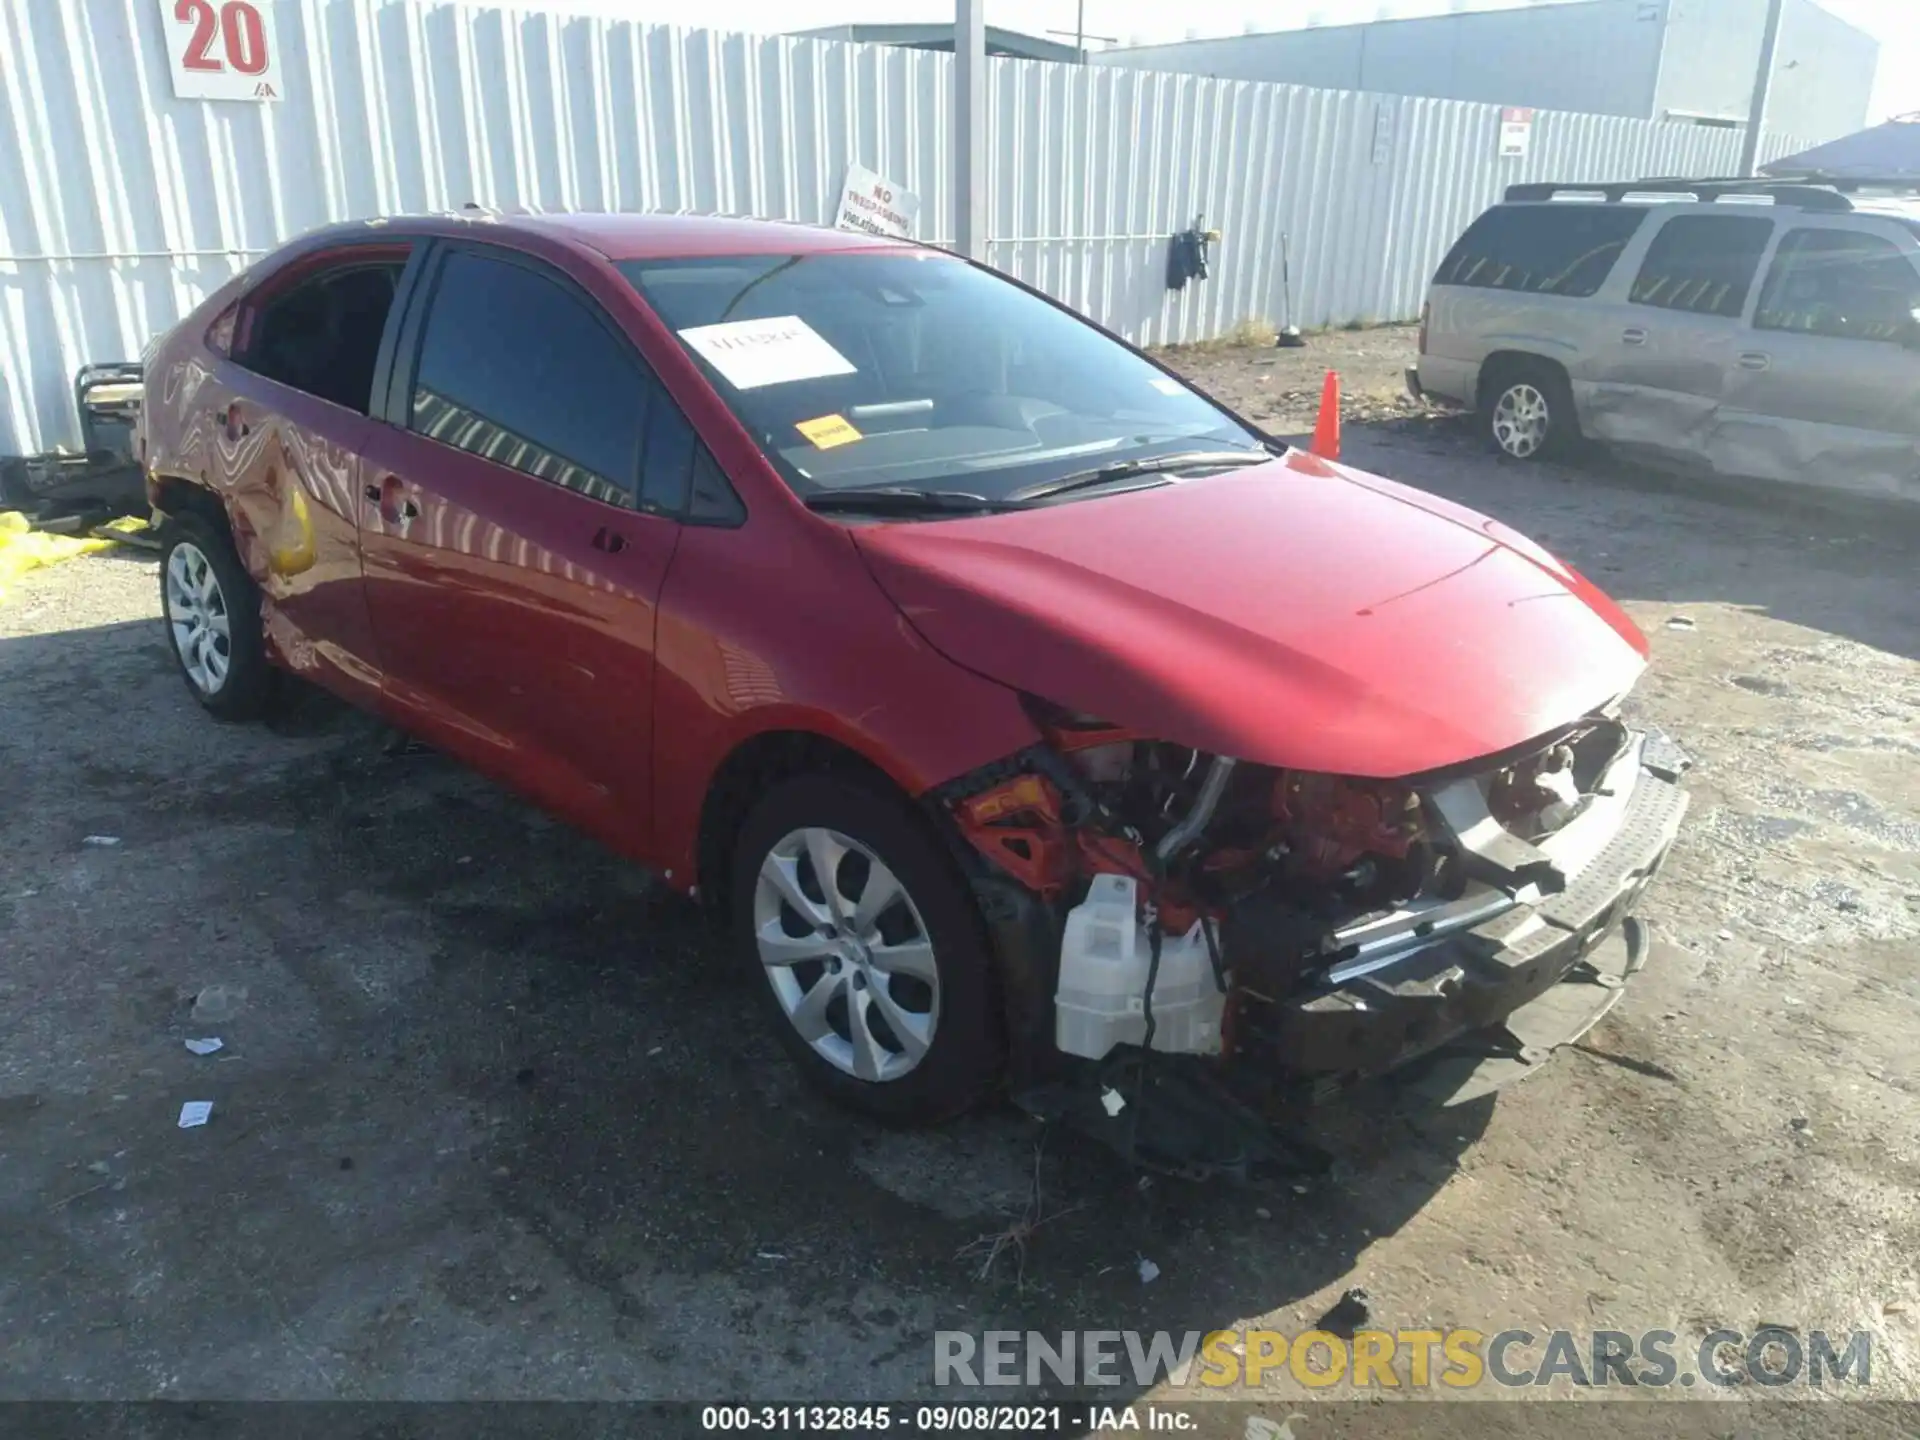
{"points": [[1027, 711]]}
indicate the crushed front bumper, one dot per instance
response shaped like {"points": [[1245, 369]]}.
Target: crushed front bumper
{"points": [[1517, 971]]}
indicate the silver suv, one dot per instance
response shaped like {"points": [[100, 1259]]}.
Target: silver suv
{"points": [[1756, 328]]}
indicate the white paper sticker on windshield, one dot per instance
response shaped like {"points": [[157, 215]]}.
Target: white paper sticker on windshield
{"points": [[752, 353], [1166, 386]]}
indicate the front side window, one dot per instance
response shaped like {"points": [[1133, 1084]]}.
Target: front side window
{"points": [[1842, 283], [679, 478], [1559, 248], [1703, 264], [922, 372], [516, 367], [321, 334]]}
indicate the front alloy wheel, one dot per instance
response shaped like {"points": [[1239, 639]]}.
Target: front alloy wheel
{"points": [[847, 954], [860, 932]]}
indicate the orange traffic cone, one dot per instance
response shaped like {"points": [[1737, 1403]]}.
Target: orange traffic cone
{"points": [[1326, 429]]}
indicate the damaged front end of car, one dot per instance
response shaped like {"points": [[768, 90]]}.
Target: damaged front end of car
{"points": [[1192, 946]]}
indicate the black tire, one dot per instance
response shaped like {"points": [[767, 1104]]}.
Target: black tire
{"points": [[246, 686], [1511, 397], [964, 1058]]}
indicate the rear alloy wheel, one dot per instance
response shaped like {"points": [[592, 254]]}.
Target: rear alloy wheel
{"points": [[1528, 413], [197, 616], [869, 949], [212, 612]]}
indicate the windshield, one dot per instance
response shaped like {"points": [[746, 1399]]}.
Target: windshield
{"points": [[920, 372]]}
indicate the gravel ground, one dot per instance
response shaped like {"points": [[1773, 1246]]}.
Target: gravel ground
{"points": [[491, 1121]]}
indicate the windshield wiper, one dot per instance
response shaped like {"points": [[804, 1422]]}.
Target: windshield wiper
{"points": [[904, 500], [1125, 469]]}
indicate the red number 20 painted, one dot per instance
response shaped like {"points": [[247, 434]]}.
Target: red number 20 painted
{"points": [[238, 24]]}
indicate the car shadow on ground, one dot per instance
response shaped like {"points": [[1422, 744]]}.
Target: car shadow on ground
{"points": [[1797, 553], [643, 1117], [467, 1018]]}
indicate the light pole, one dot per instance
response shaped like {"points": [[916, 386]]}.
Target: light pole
{"points": [[1080, 36], [969, 128], [1079, 32], [1762, 90]]}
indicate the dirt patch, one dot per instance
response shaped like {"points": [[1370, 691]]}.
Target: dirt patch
{"points": [[1281, 388]]}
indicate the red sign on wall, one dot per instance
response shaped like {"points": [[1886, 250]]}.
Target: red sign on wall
{"points": [[221, 49]]}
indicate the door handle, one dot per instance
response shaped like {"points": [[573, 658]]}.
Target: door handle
{"points": [[611, 541], [1755, 360], [392, 498], [1634, 336]]}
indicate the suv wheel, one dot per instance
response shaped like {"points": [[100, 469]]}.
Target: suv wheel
{"points": [[1527, 411], [867, 950], [212, 611]]}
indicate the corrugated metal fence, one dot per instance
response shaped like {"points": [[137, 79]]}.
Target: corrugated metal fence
{"points": [[120, 205]]}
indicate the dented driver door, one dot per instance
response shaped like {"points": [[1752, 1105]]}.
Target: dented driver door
{"points": [[1826, 383], [1660, 366]]}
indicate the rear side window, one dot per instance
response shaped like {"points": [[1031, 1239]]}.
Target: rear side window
{"points": [[1703, 264], [518, 368], [320, 335], [1563, 248], [1841, 283]]}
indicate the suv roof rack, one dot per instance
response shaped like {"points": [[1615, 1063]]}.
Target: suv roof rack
{"points": [[1845, 184], [1818, 195], [1852, 184]]}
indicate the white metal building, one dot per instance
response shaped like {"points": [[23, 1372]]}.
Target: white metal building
{"points": [[124, 201], [1689, 60]]}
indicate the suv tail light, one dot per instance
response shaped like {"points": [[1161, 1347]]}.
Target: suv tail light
{"points": [[1426, 309]]}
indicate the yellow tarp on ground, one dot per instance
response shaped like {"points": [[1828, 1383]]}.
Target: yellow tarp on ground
{"points": [[23, 549]]}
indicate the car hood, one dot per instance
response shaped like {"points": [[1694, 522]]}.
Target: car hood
{"points": [[1298, 614]]}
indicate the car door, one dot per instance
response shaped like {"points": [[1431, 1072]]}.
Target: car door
{"points": [[288, 414], [1659, 377], [511, 575], [1826, 383]]}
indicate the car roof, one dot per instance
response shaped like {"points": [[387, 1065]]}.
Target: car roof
{"points": [[634, 237]]}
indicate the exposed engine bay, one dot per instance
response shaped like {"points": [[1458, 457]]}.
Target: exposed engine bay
{"points": [[1208, 907]]}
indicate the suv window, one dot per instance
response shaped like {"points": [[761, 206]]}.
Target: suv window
{"points": [[1564, 248], [516, 367], [1703, 264], [322, 334], [1843, 283]]}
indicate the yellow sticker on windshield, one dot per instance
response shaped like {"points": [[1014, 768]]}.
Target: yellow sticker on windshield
{"points": [[828, 431]]}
